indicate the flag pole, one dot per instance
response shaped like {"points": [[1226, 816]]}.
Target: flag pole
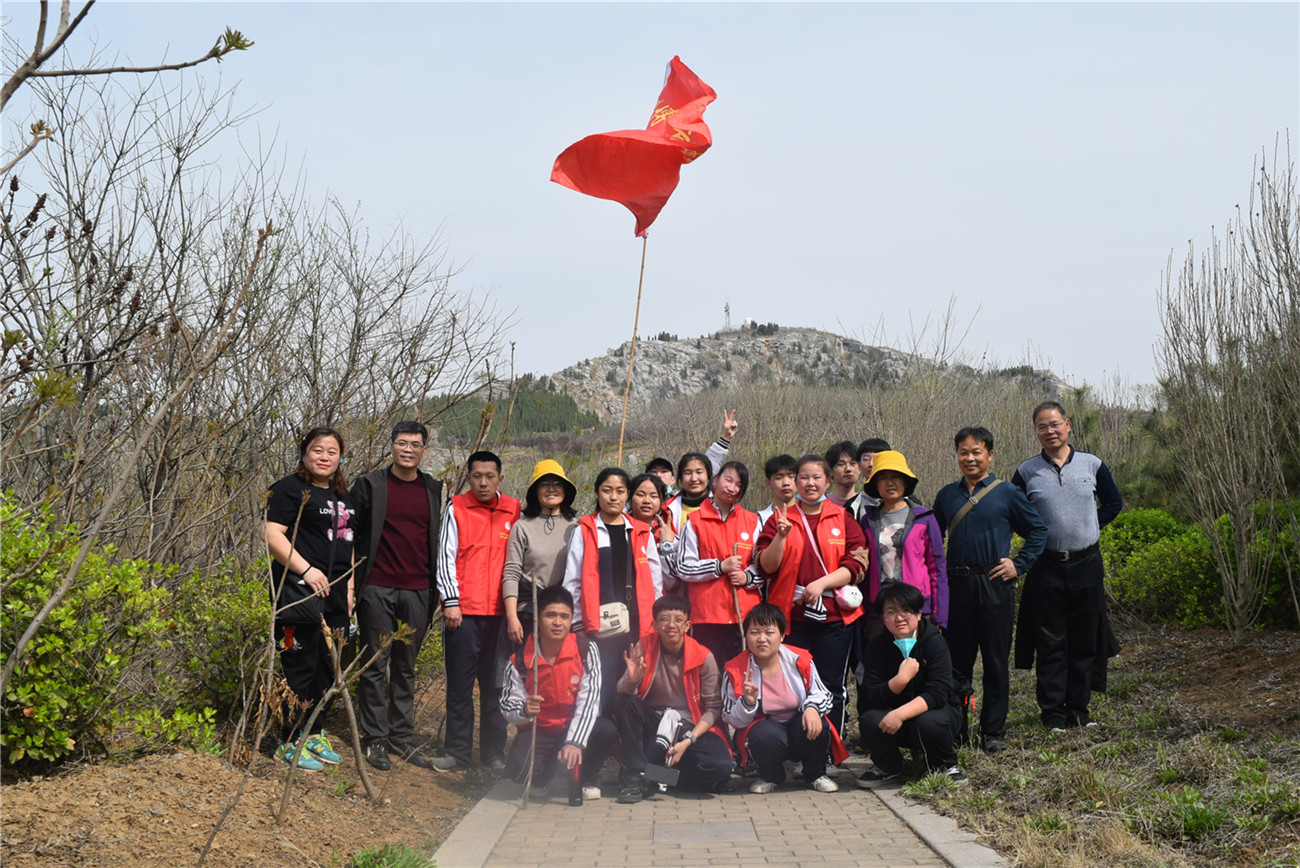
{"points": [[636, 321]]}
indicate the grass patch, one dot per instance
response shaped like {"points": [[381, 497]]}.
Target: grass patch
{"points": [[1163, 781]]}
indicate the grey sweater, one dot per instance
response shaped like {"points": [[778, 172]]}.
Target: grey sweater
{"points": [[538, 547]]}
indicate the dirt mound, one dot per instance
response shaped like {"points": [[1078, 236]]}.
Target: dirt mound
{"points": [[160, 810]]}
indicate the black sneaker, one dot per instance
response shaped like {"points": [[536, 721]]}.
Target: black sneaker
{"points": [[630, 794], [376, 753], [994, 744], [415, 758], [956, 775], [876, 775]]}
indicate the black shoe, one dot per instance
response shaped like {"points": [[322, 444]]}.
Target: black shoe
{"points": [[876, 775], [630, 794], [994, 744], [415, 758], [496, 766], [376, 754]]}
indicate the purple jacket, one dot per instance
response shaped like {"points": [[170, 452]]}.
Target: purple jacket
{"points": [[924, 565]]}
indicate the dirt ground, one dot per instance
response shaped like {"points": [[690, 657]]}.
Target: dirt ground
{"points": [[160, 810]]}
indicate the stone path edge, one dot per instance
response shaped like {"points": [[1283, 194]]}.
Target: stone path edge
{"points": [[955, 845], [492, 814]]}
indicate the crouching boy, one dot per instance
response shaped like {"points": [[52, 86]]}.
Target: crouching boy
{"points": [[910, 697], [668, 708], [774, 698], [562, 700]]}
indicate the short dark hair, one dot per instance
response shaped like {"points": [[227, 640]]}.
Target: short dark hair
{"points": [[979, 432], [480, 456], [672, 603], [652, 479], [813, 458], [551, 595], [1048, 405], [909, 597], [873, 445], [839, 450], [409, 427], [612, 471], [742, 471], [767, 615], [695, 456], [657, 463], [779, 464]]}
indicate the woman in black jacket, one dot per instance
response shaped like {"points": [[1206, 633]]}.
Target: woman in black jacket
{"points": [[910, 697]]}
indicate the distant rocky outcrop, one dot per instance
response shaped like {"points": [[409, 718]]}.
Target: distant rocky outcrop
{"points": [[670, 367]]}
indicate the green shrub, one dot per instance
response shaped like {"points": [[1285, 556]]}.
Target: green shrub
{"points": [[389, 856], [1172, 580], [67, 686], [222, 620], [101, 664], [1133, 531]]}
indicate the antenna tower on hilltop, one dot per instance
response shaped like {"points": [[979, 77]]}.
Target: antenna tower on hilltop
{"points": [[726, 308]]}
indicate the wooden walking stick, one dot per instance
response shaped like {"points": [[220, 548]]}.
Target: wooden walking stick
{"points": [[537, 652], [735, 600]]}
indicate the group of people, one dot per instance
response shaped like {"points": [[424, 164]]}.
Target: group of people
{"points": [[681, 631]]}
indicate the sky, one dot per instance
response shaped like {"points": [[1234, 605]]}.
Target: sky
{"points": [[1035, 162]]}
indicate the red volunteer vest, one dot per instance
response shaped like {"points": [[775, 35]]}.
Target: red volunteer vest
{"points": [[645, 587], [713, 602], [735, 668], [831, 540], [693, 656], [557, 682], [481, 551]]}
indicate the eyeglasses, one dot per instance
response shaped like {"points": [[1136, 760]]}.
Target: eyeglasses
{"points": [[551, 483], [414, 445], [1054, 426], [671, 620], [898, 616]]}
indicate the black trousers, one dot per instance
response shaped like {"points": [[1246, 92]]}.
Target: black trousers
{"points": [[472, 653], [828, 642], [724, 640], [1067, 603], [981, 615], [931, 732], [386, 690], [769, 743], [600, 744], [703, 765], [305, 660], [612, 667]]}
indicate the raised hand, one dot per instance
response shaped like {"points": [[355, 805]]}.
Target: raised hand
{"points": [[729, 424], [749, 690], [783, 522], [635, 662], [908, 669]]}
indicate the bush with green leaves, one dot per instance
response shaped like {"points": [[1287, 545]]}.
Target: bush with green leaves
{"points": [[389, 856], [1133, 531], [1171, 580], [92, 670]]}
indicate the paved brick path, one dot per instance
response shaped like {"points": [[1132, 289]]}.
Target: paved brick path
{"points": [[849, 828]]}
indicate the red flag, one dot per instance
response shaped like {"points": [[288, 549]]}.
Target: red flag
{"points": [[640, 168]]}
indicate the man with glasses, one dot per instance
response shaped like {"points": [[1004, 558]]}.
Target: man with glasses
{"points": [[398, 516], [669, 707], [1065, 597]]}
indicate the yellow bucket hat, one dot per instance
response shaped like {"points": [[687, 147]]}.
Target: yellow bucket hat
{"points": [[890, 460], [551, 467]]}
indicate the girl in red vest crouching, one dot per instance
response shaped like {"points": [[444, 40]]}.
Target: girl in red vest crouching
{"points": [[712, 560], [774, 698], [807, 555], [612, 571]]}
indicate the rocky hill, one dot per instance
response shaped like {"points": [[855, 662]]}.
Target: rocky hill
{"points": [[666, 367]]}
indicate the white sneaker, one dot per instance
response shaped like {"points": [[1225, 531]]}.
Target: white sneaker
{"points": [[761, 787], [590, 794], [825, 785]]}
